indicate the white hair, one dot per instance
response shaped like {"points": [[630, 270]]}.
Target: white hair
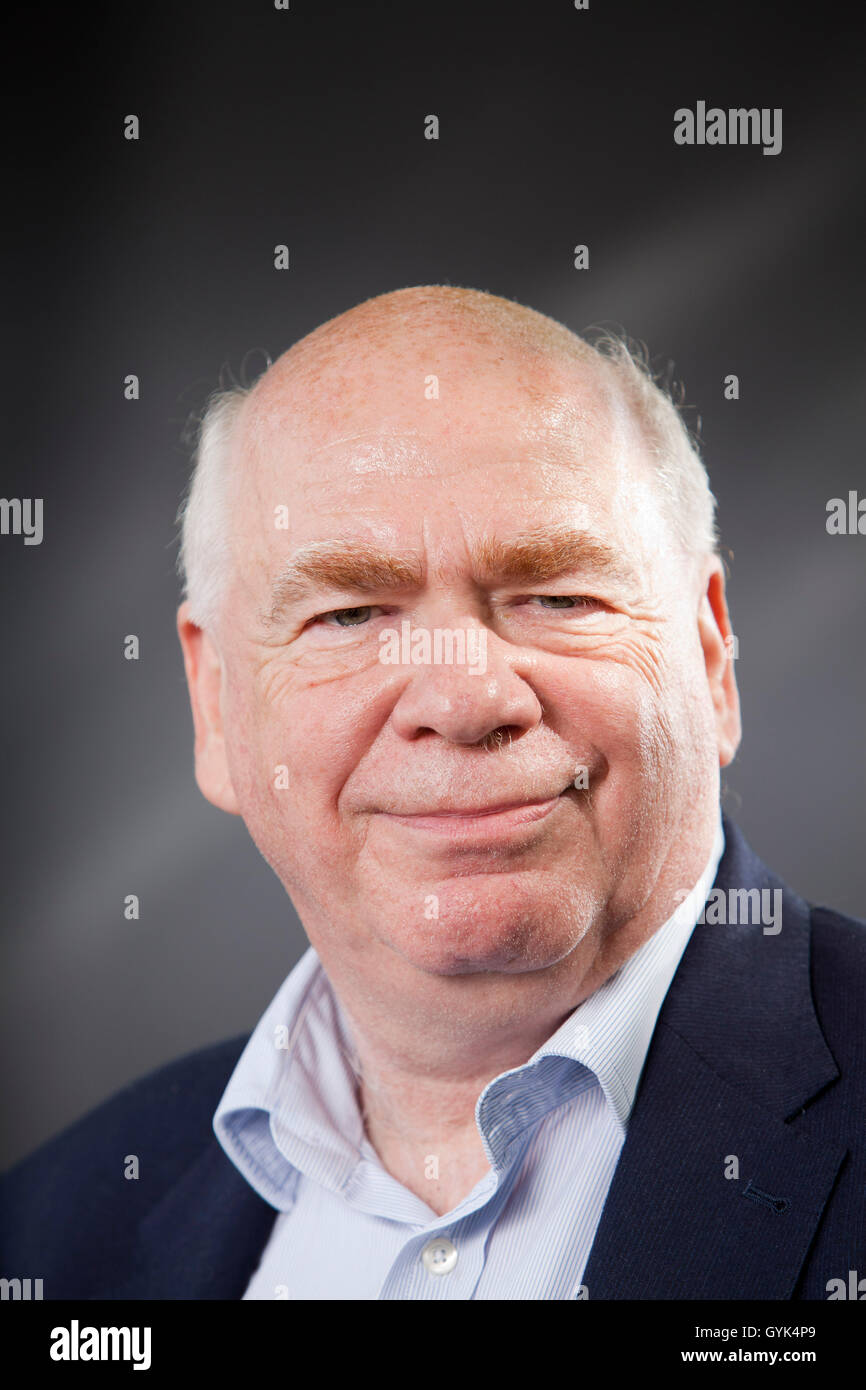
{"points": [[687, 499], [205, 553]]}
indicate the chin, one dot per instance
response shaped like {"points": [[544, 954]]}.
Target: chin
{"points": [[504, 961], [475, 933]]}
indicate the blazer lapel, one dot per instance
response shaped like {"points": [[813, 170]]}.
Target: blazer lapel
{"points": [[204, 1239], [722, 1181]]}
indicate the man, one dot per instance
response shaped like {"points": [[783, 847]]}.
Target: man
{"points": [[458, 653]]}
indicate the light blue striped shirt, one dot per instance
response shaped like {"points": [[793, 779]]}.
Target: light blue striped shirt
{"points": [[552, 1130]]}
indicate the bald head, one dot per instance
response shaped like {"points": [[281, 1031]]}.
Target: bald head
{"points": [[402, 319], [388, 355], [339, 367]]}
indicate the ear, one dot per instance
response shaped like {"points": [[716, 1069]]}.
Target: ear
{"points": [[204, 676], [718, 644]]}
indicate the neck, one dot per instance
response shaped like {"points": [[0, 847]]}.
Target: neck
{"points": [[426, 1045]]}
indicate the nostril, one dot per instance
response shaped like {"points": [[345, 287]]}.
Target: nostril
{"points": [[497, 738]]}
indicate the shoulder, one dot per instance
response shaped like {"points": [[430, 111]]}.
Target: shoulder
{"points": [[77, 1185], [840, 940], [175, 1101]]}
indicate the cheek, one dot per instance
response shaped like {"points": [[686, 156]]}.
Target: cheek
{"points": [[609, 706], [289, 759], [244, 729]]}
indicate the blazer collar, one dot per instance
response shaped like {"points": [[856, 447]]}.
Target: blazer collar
{"points": [[722, 1178]]}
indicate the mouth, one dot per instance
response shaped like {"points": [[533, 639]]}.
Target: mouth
{"points": [[485, 821]]}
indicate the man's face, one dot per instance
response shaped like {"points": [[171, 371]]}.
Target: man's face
{"points": [[599, 718]]}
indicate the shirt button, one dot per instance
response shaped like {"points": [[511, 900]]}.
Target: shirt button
{"points": [[439, 1256]]}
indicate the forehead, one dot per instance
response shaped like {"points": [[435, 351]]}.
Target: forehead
{"points": [[412, 411], [445, 433]]}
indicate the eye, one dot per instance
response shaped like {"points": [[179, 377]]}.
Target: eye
{"points": [[581, 603], [354, 617]]}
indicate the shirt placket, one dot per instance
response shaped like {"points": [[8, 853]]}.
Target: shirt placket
{"points": [[444, 1265]]}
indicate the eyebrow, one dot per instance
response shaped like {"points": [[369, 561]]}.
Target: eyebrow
{"points": [[358, 567]]}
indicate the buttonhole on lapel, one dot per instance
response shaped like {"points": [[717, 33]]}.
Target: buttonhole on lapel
{"points": [[766, 1199]]}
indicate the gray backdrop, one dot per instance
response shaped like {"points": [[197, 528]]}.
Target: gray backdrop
{"points": [[306, 127]]}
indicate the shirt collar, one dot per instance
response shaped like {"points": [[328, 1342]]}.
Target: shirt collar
{"points": [[290, 1105]]}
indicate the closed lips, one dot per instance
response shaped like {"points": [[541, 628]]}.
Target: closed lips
{"points": [[490, 809]]}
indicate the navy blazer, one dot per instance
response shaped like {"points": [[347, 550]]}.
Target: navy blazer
{"points": [[759, 1053]]}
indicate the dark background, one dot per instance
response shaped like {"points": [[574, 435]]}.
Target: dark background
{"points": [[156, 257]]}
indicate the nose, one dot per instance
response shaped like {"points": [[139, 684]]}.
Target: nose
{"points": [[465, 706]]}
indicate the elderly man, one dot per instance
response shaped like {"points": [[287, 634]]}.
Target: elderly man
{"points": [[459, 655]]}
